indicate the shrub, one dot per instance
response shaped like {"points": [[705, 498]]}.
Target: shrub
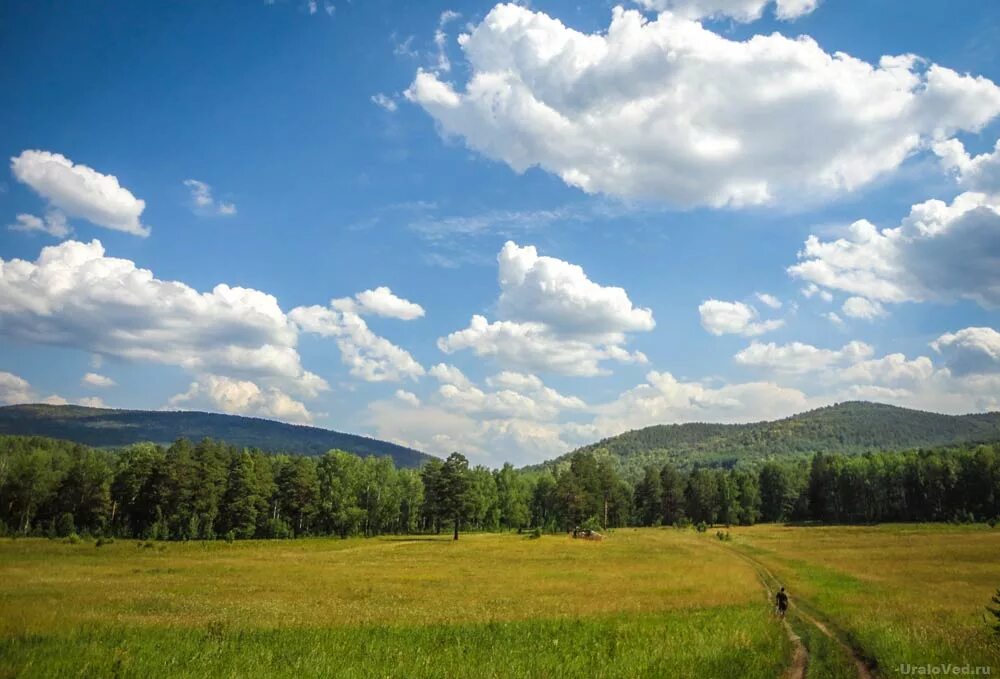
{"points": [[65, 525], [995, 612], [683, 523], [591, 524], [723, 535], [231, 537], [72, 539], [992, 523], [535, 533], [104, 541], [277, 528], [701, 527]]}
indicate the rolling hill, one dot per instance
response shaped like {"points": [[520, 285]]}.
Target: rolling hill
{"points": [[101, 427], [851, 427]]}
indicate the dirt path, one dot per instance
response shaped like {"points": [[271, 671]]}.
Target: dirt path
{"points": [[767, 578], [800, 656]]}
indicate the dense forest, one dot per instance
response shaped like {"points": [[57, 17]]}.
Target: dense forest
{"points": [[106, 428], [848, 428], [211, 490]]}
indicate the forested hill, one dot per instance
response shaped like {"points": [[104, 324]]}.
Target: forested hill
{"points": [[101, 427], [850, 428]]}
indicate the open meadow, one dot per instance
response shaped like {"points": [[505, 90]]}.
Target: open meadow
{"points": [[899, 594], [644, 602]]}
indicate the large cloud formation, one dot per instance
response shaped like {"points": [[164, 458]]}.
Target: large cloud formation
{"points": [[74, 295], [555, 318], [79, 191], [941, 252], [668, 110]]}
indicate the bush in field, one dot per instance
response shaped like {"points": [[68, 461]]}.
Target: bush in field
{"points": [[104, 541], [535, 533], [702, 527], [65, 526], [992, 523], [723, 535], [278, 528], [591, 524], [231, 537], [995, 612], [72, 539], [683, 523]]}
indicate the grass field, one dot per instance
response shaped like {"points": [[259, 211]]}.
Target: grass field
{"points": [[904, 594], [649, 602]]}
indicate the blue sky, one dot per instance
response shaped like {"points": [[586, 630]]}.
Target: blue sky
{"points": [[655, 168]]}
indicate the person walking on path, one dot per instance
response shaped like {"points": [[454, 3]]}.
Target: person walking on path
{"points": [[782, 600]]}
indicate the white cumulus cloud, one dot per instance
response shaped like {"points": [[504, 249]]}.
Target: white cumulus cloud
{"points": [[80, 191], [382, 302], [14, 389], [940, 251], [534, 346], [553, 318], [743, 11], [798, 357], [449, 374], [408, 397], [75, 295], [860, 307], [241, 397], [768, 300], [559, 294], [736, 318], [970, 350], [97, 380], [979, 173], [663, 399], [668, 110], [370, 357]]}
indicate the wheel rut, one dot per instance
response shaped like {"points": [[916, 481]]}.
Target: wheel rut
{"points": [[800, 658]]}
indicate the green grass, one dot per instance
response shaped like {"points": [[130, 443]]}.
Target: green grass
{"points": [[719, 642], [641, 603], [903, 593]]}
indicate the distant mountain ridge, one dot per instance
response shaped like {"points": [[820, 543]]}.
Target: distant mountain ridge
{"points": [[852, 427], [101, 427]]}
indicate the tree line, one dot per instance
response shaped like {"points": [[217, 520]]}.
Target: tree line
{"points": [[209, 490]]}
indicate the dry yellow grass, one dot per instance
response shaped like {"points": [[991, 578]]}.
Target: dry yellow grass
{"points": [[48, 585], [641, 603]]}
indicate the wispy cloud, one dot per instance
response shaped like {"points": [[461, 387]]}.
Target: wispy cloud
{"points": [[204, 202]]}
